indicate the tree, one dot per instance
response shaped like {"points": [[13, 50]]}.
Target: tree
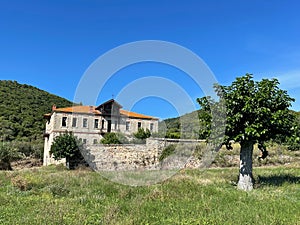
{"points": [[8, 153], [255, 113], [67, 146], [142, 134]]}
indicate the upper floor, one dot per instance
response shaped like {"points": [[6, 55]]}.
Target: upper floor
{"points": [[108, 117]]}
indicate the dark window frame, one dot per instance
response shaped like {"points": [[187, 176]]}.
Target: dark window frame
{"points": [[64, 121]]}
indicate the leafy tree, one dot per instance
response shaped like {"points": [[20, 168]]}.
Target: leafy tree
{"points": [[67, 146], [114, 138], [142, 134], [255, 113], [8, 153]]}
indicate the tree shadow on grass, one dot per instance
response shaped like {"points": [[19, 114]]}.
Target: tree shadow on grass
{"points": [[277, 180]]}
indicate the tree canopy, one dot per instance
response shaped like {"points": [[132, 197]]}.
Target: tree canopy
{"points": [[256, 111]]}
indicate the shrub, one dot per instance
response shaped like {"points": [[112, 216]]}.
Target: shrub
{"points": [[8, 153], [114, 138], [142, 134], [20, 183]]}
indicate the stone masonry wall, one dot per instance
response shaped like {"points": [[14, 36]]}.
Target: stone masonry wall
{"points": [[129, 157]]}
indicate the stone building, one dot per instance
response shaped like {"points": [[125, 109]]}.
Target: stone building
{"points": [[90, 123]]}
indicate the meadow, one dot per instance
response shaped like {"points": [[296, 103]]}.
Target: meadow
{"points": [[54, 195]]}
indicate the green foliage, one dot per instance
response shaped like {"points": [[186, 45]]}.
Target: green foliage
{"points": [[256, 111], [8, 153], [142, 134], [205, 117], [114, 138], [21, 115], [293, 141], [173, 133], [187, 126], [169, 150], [66, 146]]}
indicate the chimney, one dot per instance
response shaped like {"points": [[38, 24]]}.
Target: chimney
{"points": [[53, 107], [91, 109]]}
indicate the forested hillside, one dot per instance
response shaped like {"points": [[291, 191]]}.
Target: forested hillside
{"points": [[21, 115], [186, 126]]}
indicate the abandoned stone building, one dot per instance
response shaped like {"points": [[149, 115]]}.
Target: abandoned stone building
{"points": [[90, 123]]}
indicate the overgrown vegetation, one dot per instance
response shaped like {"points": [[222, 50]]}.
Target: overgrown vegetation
{"points": [[54, 195], [21, 115], [167, 151], [8, 153]]}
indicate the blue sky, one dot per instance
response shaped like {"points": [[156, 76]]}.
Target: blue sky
{"points": [[50, 44]]}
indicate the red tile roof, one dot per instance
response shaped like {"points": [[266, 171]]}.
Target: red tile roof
{"points": [[136, 115], [92, 110], [78, 109]]}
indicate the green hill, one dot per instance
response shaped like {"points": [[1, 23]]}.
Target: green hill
{"points": [[22, 108], [186, 126]]}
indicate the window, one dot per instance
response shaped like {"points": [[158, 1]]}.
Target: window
{"points": [[102, 125], [84, 122], [127, 125], [84, 141], [64, 121], [74, 122], [95, 141], [116, 125], [151, 126], [139, 125], [96, 123]]}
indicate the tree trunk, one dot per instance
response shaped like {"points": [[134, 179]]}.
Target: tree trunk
{"points": [[245, 178], [68, 162]]}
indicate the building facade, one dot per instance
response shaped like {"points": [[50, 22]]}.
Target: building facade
{"points": [[90, 123]]}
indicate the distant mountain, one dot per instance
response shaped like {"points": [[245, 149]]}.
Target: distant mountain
{"points": [[22, 109], [187, 126]]}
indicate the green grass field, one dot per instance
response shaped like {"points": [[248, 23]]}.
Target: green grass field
{"points": [[54, 195]]}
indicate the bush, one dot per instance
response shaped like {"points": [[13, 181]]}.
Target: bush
{"points": [[114, 138], [142, 134], [8, 153]]}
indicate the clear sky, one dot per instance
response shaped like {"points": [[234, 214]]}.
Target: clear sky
{"points": [[50, 44]]}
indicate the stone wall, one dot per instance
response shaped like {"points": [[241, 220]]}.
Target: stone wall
{"points": [[133, 156]]}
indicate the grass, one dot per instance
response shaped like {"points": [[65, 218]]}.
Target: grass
{"points": [[54, 195]]}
